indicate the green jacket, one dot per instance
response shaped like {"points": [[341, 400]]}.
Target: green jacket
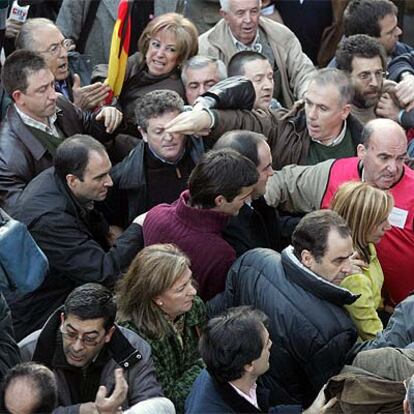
{"points": [[368, 284], [177, 367]]}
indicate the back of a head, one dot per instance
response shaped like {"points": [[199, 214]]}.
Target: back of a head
{"points": [[18, 67], [336, 77], [360, 46], [236, 64], [232, 340], [91, 301], [244, 142], [313, 230], [30, 388], [27, 36], [362, 16], [220, 172], [72, 155], [156, 103]]}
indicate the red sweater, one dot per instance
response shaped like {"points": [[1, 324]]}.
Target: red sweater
{"points": [[197, 232], [396, 249]]}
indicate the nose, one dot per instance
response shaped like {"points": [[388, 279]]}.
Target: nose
{"points": [[347, 267], [168, 136], [77, 345], [202, 89], [192, 290], [160, 52], [312, 112], [392, 166], [374, 81], [109, 182], [52, 93], [398, 31], [247, 17]]}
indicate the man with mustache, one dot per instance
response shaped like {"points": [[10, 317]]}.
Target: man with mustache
{"points": [[363, 58]]}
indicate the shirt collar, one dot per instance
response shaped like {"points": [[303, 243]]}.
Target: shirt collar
{"points": [[254, 46], [337, 140], [28, 120], [251, 397]]}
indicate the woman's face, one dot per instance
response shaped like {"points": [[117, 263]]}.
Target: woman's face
{"points": [[378, 231], [178, 299], [161, 57]]}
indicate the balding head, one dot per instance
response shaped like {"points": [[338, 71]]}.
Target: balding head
{"points": [[383, 153]]}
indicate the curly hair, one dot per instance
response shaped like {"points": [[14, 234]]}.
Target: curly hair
{"points": [[156, 103]]}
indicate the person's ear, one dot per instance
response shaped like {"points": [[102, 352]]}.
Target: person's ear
{"points": [[361, 151], [18, 97], [307, 259], [62, 318], [71, 181], [220, 200], [345, 111], [109, 334], [143, 134]]}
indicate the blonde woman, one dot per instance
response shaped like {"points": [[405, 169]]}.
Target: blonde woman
{"points": [[157, 299], [366, 210]]}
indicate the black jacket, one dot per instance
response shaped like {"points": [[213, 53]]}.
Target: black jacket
{"points": [[22, 156], [75, 244], [128, 196], [311, 332]]}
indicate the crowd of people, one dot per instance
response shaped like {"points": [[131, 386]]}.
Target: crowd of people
{"points": [[234, 232]]}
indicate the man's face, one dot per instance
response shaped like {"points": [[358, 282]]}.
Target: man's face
{"points": [[48, 41], [200, 81], [261, 364], [264, 169], [96, 179], [367, 78], [168, 147], [384, 158], [325, 112], [335, 264], [243, 19], [390, 32], [39, 99], [233, 207], [83, 339], [260, 73]]}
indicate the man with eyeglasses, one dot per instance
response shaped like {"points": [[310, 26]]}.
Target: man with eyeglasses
{"points": [[38, 121], [363, 58], [91, 356], [43, 36]]}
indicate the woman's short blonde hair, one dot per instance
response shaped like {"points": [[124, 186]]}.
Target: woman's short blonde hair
{"points": [[363, 207], [154, 270], [185, 31]]}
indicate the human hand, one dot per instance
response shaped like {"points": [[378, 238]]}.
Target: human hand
{"points": [[90, 96], [88, 408], [404, 91], [112, 404], [111, 118], [387, 108], [190, 123], [12, 28], [113, 234], [320, 405]]}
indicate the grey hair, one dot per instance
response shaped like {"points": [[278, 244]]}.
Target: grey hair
{"points": [[27, 35], [225, 5], [333, 76], [200, 62]]}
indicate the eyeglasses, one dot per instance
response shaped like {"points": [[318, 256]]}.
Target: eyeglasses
{"points": [[367, 76], [74, 336], [55, 48]]}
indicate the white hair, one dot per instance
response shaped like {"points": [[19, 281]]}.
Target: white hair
{"points": [[225, 4]]}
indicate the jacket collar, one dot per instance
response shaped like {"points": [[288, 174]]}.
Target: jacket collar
{"points": [[120, 348], [310, 281]]}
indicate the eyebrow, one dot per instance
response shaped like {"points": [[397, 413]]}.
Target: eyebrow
{"points": [[84, 333]]}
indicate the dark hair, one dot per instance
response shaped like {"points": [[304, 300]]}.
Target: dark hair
{"points": [[92, 301], [18, 67], [220, 172], [232, 340], [237, 62], [362, 16], [156, 103], [42, 381], [312, 232], [244, 142], [361, 46], [72, 155]]}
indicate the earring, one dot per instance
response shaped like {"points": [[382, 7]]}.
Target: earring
{"points": [[160, 304]]}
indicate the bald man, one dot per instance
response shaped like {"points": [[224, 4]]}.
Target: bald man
{"points": [[380, 161]]}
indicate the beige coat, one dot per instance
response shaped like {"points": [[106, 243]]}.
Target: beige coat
{"points": [[295, 67]]}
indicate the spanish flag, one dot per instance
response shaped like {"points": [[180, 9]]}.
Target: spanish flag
{"points": [[118, 56]]}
